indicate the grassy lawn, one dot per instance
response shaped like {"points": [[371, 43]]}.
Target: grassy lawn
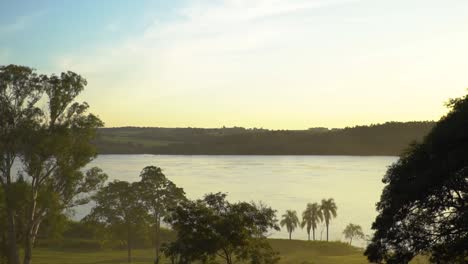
{"points": [[292, 252]]}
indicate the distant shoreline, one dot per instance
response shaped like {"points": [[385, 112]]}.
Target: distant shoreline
{"points": [[264, 155], [388, 139]]}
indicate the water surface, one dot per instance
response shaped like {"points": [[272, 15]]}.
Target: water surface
{"points": [[282, 182]]}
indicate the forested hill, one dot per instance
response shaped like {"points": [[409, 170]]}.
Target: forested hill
{"points": [[382, 139]]}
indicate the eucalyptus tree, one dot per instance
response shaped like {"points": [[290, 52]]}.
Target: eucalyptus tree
{"points": [[158, 195], [42, 126], [290, 220], [311, 217], [119, 205], [329, 209], [20, 90], [353, 231]]}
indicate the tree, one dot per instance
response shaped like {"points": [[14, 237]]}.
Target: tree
{"points": [[213, 227], [20, 90], [311, 217], [290, 220], [353, 231], [118, 205], [424, 204], [53, 143], [158, 195], [328, 208]]}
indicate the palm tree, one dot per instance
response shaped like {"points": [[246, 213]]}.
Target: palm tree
{"points": [[290, 220], [329, 208], [311, 217]]}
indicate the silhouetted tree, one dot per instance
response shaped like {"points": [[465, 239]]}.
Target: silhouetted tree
{"points": [[214, 228], [118, 205], [424, 204], [353, 231], [158, 195], [290, 220], [328, 208], [311, 217]]}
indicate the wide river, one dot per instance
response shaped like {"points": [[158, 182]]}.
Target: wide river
{"points": [[282, 182]]}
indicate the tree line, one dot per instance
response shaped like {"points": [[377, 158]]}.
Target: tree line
{"points": [[390, 138]]}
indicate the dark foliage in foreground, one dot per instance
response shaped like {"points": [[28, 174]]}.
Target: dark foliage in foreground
{"points": [[214, 228], [424, 205]]}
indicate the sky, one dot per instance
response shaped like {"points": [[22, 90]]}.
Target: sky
{"points": [[278, 64]]}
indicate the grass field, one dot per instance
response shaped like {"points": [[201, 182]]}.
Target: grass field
{"points": [[292, 252]]}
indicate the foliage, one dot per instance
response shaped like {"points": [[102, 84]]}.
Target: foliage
{"points": [[290, 220], [328, 208], [424, 205], [311, 216], [213, 227], [352, 231], [158, 194], [390, 138], [119, 207], [52, 142]]}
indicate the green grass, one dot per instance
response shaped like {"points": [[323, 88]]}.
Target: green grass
{"points": [[292, 252]]}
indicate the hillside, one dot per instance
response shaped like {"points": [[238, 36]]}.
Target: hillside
{"points": [[390, 138]]}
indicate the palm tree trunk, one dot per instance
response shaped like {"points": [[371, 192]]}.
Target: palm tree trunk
{"points": [[313, 233], [290, 235], [327, 232], [308, 236]]}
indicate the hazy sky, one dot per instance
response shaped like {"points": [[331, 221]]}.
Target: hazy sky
{"points": [[254, 63]]}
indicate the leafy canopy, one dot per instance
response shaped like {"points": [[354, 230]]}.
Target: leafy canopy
{"points": [[213, 227], [424, 205]]}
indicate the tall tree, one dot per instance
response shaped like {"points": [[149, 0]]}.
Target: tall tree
{"points": [[20, 90], [118, 205], [328, 208], [290, 220], [52, 142], [311, 216], [424, 204], [353, 231], [158, 195]]}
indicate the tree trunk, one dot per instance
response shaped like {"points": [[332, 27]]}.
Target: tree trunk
{"points": [[290, 235], [129, 244], [313, 233], [327, 232], [308, 236], [27, 251], [157, 240], [13, 256], [228, 256], [30, 240], [31, 230]]}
